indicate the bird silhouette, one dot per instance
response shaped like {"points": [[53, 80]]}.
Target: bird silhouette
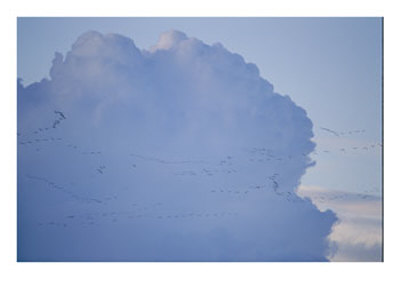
{"points": [[330, 131], [55, 123], [61, 114]]}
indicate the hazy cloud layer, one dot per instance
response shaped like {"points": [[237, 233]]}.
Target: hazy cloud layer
{"points": [[357, 236], [179, 153]]}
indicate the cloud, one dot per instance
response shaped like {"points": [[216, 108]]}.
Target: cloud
{"points": [[179, 153], [357, 236]]}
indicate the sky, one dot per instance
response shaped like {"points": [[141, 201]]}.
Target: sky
{"points": [[330, 67]]}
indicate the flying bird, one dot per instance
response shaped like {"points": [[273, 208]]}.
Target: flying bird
{"points": [[330, 131], [55, 123], [61, 114], [275, 185]]}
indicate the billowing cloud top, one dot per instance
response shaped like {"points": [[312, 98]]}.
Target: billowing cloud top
{"points": [[179, 153]]}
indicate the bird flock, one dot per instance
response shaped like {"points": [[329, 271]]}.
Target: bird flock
{"points": [[352, 149], [264, 158]]}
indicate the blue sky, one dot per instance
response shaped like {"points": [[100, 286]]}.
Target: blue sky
{"points": [[330, 67]]}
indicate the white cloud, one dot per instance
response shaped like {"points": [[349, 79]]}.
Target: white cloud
{"points": [[169, 40], [179, 153], [357, 236]]}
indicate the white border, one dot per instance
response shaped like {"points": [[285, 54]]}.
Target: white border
{"points": [[191, 281]]}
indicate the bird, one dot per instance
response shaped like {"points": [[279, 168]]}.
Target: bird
{"points": [[275, 185], [330, 131], [55, 123], [61, 114]]}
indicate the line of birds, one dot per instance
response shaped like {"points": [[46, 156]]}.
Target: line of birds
{"points": [[263, 155], [66, 191], [162, 161], [353, 149], [113, 217], [342, 196], [223, 166], [204, 171], [339, 134]]}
